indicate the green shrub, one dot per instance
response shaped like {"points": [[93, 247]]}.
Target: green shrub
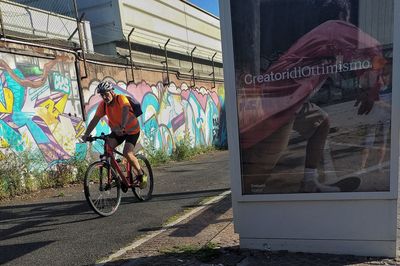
{"points": [[27, 171], [67, 172], [11, 175], [80, 167], [183, 149], [3, 189], [157, 157]]}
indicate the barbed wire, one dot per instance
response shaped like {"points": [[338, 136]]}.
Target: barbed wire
{"points": [[159, 41]]}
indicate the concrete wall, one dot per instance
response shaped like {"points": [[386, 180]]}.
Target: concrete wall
{"points": [[155, 21], [187, 26]]}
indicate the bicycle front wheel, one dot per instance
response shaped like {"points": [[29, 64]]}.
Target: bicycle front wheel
{"points": [[144, 192], [103, 196]]}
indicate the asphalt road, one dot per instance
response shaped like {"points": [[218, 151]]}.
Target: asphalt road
{"points": [[65, 231]]}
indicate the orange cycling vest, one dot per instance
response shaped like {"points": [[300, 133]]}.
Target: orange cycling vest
{"points": [[113, 112]]}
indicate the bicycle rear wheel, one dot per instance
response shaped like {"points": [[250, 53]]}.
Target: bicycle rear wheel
{"points": [[103, 197], [145, 193]]}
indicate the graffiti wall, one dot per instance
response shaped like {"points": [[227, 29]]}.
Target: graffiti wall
{"points": [[170, 113], [40, 109]]}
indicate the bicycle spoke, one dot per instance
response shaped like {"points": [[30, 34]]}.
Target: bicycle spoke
{"points": [[144, 191], [103, 197]]}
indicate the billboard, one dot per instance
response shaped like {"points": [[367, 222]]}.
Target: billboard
{"points": [[313, 85]]}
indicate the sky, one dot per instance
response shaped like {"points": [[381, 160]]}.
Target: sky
{"points": [[211, 6]]}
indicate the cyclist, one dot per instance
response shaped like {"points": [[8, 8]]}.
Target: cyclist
{"points": [[123, 123]]}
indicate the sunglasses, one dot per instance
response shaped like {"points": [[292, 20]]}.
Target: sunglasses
{"points": [[103, 95]]}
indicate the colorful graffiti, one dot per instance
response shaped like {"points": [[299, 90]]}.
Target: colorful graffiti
{"points": [[40, 110], [39, 106], [170, 113]]}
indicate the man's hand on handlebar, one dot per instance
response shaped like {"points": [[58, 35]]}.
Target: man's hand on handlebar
{"points": [[86, 138], [90, 138]]}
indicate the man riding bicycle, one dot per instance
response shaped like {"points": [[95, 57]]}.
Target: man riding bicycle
{"points": [[123, 123]]}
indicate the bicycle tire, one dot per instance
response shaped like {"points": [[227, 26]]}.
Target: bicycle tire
{"points": [[144, 194], [103, 198]]}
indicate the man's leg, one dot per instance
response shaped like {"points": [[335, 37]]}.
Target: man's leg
{"points": [[141, 176], [313, 124], [130, 156], [316, 144], [130, 142], [112, 142], [259, 160]]}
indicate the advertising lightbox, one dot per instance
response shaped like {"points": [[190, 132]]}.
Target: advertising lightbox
{"points": [[313, 83]]}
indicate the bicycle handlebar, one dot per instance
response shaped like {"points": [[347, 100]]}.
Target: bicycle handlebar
{"points": [[94, 138], [102, 137]]}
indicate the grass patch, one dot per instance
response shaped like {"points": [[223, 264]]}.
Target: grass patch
{"points": [[206, 200], [177, 216], [205, 253]]}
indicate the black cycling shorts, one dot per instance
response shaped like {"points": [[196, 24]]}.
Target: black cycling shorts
{"points": [[128, 138]]}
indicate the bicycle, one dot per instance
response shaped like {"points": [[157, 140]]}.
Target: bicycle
{"points": [[105, 178]]}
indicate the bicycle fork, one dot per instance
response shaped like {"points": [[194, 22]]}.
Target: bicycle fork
{"points": [[107, 186]]}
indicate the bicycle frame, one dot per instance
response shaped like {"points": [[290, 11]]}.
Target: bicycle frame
{"points": [[110, 159]]}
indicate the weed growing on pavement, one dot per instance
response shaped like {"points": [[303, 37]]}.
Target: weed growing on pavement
{"points": [[204, 254], [177, 216], [157, 157], [184, 150]]}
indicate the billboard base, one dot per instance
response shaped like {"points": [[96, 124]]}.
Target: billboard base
{"points": [[352, 227], [343, 247]]}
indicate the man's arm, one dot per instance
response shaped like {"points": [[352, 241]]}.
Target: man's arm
{"points": [[90, 127], [121, 131], [125, 111]]}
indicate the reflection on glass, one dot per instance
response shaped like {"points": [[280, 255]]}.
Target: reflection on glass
{"points": [[314, 94]]}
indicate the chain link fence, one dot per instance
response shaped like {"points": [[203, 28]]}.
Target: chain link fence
{"points": [[45, 21]]}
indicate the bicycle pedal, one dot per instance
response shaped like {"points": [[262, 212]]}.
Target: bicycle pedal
{"points": [[136, 183]]}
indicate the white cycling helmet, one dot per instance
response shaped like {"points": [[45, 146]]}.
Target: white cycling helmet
{"points": [[104, 86]]}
